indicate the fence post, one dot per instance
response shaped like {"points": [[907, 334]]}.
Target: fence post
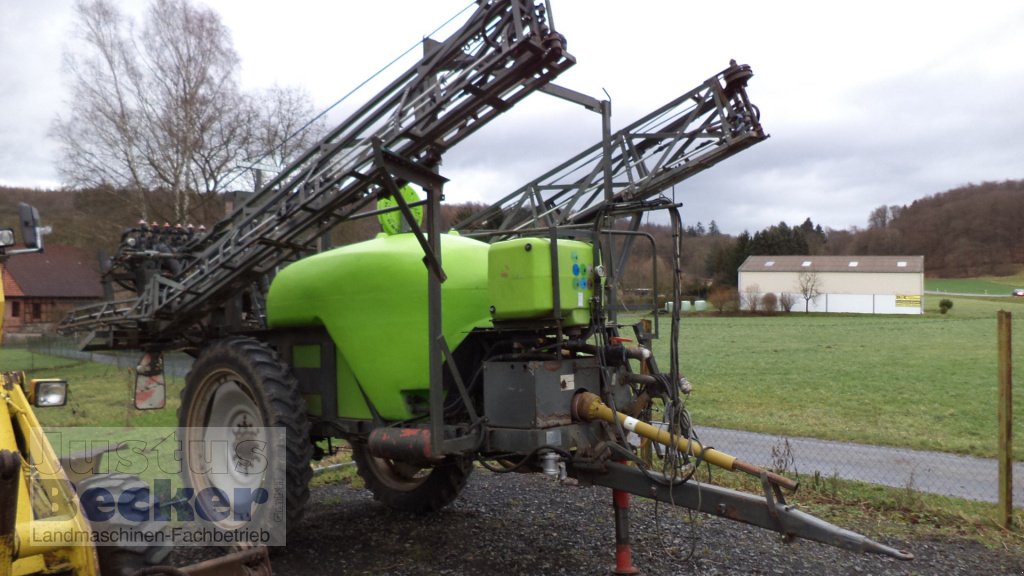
{"points": [[1005, 328]]}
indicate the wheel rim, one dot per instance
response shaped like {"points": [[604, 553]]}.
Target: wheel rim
{"points": [[225, 423], [398, 476]]}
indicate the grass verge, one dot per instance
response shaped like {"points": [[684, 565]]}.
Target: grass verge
{"points": [[901, 513], [336, 467]]}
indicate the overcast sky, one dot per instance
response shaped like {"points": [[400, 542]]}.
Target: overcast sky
{"points": [[867, 103]]}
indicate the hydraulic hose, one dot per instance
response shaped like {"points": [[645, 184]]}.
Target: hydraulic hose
{"points": [[588, 407]]}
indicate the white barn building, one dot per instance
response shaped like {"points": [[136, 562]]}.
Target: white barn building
{"points": [[858, 284]]}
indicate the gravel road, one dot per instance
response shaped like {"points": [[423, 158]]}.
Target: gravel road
{"points": [[528, 524]]}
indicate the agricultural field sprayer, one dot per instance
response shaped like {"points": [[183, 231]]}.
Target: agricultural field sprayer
{"points": [[430, 350]]}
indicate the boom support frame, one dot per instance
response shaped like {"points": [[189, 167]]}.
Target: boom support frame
{"points": [[686, 136]]}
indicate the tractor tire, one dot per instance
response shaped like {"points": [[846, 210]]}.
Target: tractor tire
{"points": [[116, 559], [409, 488], [236, 388]]}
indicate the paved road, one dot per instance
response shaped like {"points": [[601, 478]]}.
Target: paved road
{"points": [[971, 294], [936, 472]]}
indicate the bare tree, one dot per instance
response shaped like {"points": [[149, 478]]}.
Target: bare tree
{"points": [[150, 110], [100, 138], [884, 216], [159, 108], [722, 296], [286, 126], [752, 297], [879, 217], [810, 284], [786, 301]]}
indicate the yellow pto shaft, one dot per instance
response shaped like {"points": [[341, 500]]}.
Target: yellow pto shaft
{"points": [[589, 407]]}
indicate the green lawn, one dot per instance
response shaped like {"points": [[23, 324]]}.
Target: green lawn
{"points": [[925, 382], [996, 285], [99, 394], [100, 410]]}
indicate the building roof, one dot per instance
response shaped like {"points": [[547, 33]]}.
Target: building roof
{"points": [[11, 287], [57, 272], [870, 264]]}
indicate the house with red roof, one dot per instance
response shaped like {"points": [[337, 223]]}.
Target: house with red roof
{"points": [[41, 288]]}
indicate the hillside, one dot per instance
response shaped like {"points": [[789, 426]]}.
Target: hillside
{"points": [[973, 230]]}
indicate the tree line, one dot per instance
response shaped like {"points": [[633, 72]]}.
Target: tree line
{"points": [[969, 231], [972, 230]]}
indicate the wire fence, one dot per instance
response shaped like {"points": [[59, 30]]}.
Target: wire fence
{"points": [[940, 473], [175, 364]]}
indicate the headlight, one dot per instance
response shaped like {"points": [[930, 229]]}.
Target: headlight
{"points": [[49, 392]]}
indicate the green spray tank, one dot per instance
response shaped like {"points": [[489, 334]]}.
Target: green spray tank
{"points": [[371, 297]]}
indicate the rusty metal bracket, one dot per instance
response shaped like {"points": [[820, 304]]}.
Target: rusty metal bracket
{"points": [[391, 163], [457, 378], [774, 499]]}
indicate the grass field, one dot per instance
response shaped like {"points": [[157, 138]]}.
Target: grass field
{"points": [[927, 382], [996, 285], [99, 394]]}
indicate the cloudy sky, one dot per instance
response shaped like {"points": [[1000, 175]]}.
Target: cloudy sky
{"points": [[868, 103]]}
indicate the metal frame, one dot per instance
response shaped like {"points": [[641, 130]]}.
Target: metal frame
{"points": [[685, 136], [503, 53], [769, 512]]}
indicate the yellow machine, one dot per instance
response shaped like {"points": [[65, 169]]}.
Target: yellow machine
{"points": [[42, 527], [38, 508], [36, 524]]}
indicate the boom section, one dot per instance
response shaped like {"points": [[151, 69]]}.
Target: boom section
{"points": [[505, 51], [684, 137]]}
